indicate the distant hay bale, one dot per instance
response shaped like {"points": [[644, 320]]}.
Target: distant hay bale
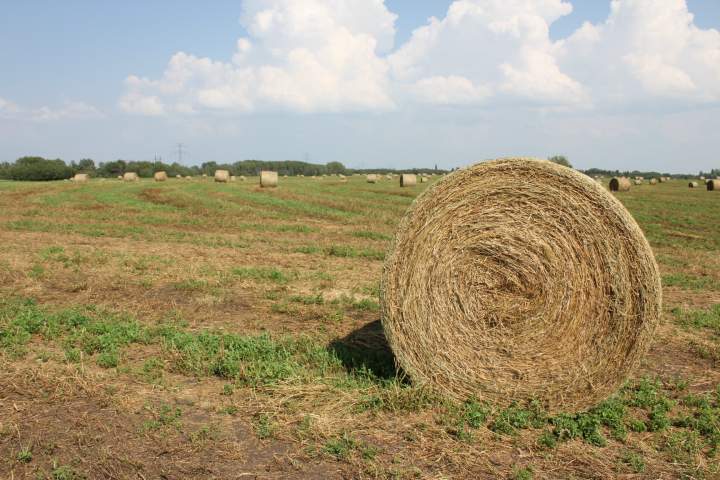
{"points": [[178, 176], [520, 279], [423, 179], [119, 177], [160, 176], [638, 182], [408, 180], [81, 177], [713, 185], [242, 178], [188, 177], [702, 178], [693, 184], [662, 179], [222, 176], [268, 179], [131, 177], [233, 178], [653, 181], [372, 178]]}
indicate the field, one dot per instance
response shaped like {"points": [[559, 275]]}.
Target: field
{"points": [[189, 329]]}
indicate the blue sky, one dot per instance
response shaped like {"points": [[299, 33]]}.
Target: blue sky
{"points": [[471, 94]]}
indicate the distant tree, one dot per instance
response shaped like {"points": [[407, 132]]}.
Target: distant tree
{"points": [[335, 167], [560, 160], [86, 165], [38, 169]]}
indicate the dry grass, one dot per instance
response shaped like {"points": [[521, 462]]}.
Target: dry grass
{"points": [[408, 180], [483, 300], [255, 312], [620, 184], [268, 179]]}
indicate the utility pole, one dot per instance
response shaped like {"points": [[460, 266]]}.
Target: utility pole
{"points": [[180, 152]]}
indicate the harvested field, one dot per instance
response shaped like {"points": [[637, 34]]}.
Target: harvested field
{"points": [[178, 330]]}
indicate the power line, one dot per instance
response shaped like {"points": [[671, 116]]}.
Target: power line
{"points": [[180, 152]]}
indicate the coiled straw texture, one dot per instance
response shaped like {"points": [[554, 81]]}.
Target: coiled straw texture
{"points": [[520, 279]]}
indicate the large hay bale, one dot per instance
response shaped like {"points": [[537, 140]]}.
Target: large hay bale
{"points": [[242, 178], [131, 177], [653, 181], [619, 184], [222, 176], [637, 182], [693, 184], [160, 176], [268, 179], [372, 178], [408, 180], [713, 185], [519, 279], [81, 177]]}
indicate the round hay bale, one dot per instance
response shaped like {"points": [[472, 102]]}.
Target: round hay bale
{"points": [[693, 184], [518, 279], [178, 176], [408, 180], [120, 177], [81, 177], [702, 178], [242, 178], [638, 182], [188, 177], [653, 181], [131, 177], [233, 178], [268, 179], [222, 176], [713, 185], [372, 178], [160, 176], [619, 184]]}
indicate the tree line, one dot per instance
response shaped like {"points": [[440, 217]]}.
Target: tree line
{"points": [[43, 169]]}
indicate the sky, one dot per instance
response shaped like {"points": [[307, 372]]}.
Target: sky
{"points": [[627, 84]]}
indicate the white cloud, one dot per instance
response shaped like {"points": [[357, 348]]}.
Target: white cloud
{"points": [[501, 46], [307, 56], [451, 90], [68, 110], [646, 51], [337, 55]]}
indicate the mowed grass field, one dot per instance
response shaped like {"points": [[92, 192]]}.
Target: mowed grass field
{"points": [[189, 329]]}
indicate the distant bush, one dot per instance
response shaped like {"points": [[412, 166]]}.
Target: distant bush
{"points": [[36, 169], [560, 160]]}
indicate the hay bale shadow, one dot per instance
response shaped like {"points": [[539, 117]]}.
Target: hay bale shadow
{"points": [[366, 350]]}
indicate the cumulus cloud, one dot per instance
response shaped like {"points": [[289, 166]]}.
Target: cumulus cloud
{"points": [[307, 56], [645, 50], [68, 110], [338, 55], [501, 47]]}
